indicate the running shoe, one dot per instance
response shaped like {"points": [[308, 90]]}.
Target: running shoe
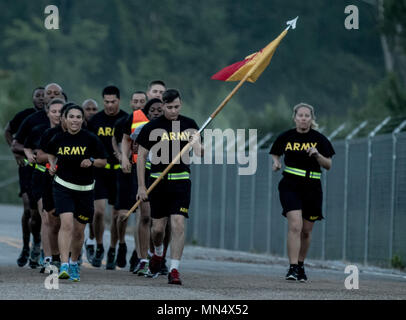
{"points": [[155, 264], [46, 264], [89, 252], [173, 277], [134, 261], [301, 274], [154, 267], [111, 261], [292, 273], [164, 269], [98, 257], [23, 258], [122, 255], [142, 268], [64, 271], [74, 272], [57, 264], [35, 256]]}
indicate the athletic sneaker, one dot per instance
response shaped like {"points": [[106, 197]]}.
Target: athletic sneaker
{"points": [[301, 274], [122, 255], [23, 258], [173, 277], [292, 273], [111, 261], [57, 264], [35, 255], [74, 272], [45, 265], [134, 261], [164, 269], [142, 268], [155, 264], [98, 257], [64, 272], [89, 252]]}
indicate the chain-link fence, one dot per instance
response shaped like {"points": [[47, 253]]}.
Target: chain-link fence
{"points": [[364, 204]]}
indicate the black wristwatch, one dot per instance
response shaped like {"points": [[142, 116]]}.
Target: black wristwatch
{"points": [[91, 160]]}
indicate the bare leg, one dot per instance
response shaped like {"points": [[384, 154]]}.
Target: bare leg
{"points": [[178, 236], [98, 222], [305, 237], [295, 225], [65, 235]]}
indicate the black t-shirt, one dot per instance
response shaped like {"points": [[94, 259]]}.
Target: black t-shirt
{"points": [[293, 145], [48, 135], [119, 128], [18, 119], [39, 117], [172, 135], [71, 150], [103, 126], [33, 140]]}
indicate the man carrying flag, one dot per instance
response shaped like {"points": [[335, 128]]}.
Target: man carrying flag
{"points": [[171, 198]]}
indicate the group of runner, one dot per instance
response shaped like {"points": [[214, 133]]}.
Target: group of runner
{"points": [[73, 159]]}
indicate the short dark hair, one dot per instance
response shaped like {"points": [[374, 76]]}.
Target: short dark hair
{"points": [[54, 101], [110, 90], [65, 106], [150, 103], [71, 107], [37, 88], [170, 95], [139, 92], [156, 82]]}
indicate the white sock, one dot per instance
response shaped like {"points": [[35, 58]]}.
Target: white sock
{"points": [[144, 260], [65, 264], [150, 253], [72, 262], [174, 264], [90, 241], [159, 251]]}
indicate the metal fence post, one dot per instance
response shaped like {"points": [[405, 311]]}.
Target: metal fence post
{"points": [[371, 135], [237, 212], [209, 202], [393, 186], [223, 205], [346, 167], [324, 188]]}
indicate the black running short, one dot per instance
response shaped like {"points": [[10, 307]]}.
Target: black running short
{"points": [[37, 187], [298, 193], [81, 203], [24, 178], [106, 184], [47, 197], [126, 193], [170, 197]]}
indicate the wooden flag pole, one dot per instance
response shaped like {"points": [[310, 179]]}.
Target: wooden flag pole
{"points": [[212, 116]]}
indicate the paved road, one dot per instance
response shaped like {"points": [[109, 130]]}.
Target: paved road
{"points": [[208, 274]]}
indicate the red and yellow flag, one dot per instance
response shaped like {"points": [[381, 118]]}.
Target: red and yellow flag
{"points": [[253, 65]]}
